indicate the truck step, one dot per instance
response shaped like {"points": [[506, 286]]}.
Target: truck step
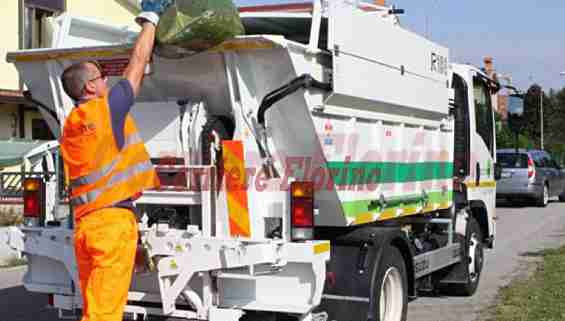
{"points": [[172, 197]]}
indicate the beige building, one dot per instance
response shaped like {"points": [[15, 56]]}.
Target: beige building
{"points": [[23, 24]]}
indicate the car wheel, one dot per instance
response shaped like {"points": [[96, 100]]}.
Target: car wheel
{"points": [[543, 198]]}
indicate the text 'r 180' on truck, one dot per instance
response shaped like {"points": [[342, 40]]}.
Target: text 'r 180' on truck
{"points": [[330, 173]]}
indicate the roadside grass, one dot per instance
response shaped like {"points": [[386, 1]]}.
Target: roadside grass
{"points": [[540, 297], [9, 217]]}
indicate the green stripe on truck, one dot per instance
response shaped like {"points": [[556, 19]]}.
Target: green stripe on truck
{"points": [[358, 173], [352, 209]]}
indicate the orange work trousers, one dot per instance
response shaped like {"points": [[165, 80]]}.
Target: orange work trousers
{"points": [[105, 247]]}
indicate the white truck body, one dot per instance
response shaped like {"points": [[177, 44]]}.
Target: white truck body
{"points": [[376, 138]]}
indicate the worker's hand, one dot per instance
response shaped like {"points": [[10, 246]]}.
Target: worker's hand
{"points": [[152, 10]]}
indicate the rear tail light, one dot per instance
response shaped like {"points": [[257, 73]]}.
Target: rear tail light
{"points": [[34, 191], [302, 210], [531, 168], [50, 300]]}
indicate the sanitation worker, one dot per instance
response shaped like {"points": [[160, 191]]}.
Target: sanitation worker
{"points": [[108, 167]]}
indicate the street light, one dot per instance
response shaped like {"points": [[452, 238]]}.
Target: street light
{"points": [[541, 111]]}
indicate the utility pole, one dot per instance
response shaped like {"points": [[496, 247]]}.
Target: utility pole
{"points": [[541, 112], [541, 115]]}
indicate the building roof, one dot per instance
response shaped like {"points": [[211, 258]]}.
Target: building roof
{"points": [[8, 96]]}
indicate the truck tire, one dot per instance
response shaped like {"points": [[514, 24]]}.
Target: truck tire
{"points": [[473, 259], [543, 198], [390, 286]]}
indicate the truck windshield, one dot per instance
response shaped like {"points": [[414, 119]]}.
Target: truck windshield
{"points": [[512, 160]]}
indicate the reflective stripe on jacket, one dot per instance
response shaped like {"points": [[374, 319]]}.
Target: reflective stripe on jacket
{"points": [[100, 174]]}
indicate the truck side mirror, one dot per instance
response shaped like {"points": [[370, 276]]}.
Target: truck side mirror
{"points": [[497, 171], [516, 105], [515, 112]]}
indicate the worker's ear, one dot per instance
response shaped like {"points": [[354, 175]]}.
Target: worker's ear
{"points": [[89, 88]]}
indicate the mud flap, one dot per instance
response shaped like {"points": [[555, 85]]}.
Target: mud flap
{"points": [[350, 272]]}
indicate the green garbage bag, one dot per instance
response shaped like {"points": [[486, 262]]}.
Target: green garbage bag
{"points": [[198, 25]]}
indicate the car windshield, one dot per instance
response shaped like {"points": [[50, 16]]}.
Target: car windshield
{"points": [[512, 160]]}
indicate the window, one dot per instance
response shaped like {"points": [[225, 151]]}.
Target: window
{"points": [[512, 160], [548, 161], [462, 149], [538, 159], [484, 113], [34, 15], [51, 5]]}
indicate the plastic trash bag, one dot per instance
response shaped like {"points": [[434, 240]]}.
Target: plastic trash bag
{"points": [[198, 25]]}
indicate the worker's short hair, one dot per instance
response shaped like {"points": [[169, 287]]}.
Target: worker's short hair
{"points": [[75, 77]]}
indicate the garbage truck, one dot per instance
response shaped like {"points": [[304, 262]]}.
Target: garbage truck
{"points": [[328, 165]]}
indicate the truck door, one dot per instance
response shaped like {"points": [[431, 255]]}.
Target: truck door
{"points": [[484, 141]]}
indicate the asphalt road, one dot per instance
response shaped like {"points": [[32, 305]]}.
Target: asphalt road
{"points": [[521, 232]]}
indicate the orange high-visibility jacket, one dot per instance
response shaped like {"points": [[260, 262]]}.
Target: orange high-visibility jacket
{"points": [[100, 175]]}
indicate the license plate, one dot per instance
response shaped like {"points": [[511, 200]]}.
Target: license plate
{"points": [[506, 174]]}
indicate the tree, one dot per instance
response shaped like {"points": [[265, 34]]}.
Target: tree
{"points": [[530, 134], [556, 125], [532, 113], [506, 138]]}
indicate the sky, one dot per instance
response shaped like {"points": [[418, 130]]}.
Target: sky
{"points": [[525, 38]]}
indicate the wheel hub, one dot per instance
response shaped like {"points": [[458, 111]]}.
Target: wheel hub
{"points": [[392, 296], [545, 195], [475, 258]]}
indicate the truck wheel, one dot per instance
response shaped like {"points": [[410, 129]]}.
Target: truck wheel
{"points": [[472, 258], [390, 287], [543, 199]]}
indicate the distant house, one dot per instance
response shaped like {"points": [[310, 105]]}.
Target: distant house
{"points": [[500, 99], [503, 106], [27, 24]]}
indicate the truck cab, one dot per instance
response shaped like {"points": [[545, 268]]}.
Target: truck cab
{"points": [[475, 143]]}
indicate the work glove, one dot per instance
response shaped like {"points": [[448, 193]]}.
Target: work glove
{"points": [[151, 10]]}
